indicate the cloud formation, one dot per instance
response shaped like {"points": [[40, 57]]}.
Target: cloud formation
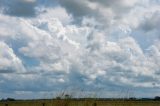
{"points": [[9, 62], [109, 45]]}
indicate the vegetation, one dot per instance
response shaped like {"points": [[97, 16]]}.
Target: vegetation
{"points": [[68, 101], [89, 102]]}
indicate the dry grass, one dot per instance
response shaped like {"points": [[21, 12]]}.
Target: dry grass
{"points": [[68, 102]]}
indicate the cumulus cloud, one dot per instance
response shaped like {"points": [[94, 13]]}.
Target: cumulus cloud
{"points": [[92, 7], [95, 44], [77, 8], [9, 62], [117, 6]]}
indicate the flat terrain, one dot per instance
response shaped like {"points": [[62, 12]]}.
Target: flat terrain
{"points": [[80, 103]]}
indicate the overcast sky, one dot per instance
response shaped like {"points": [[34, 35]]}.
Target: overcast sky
{"points": [[107, 48]]}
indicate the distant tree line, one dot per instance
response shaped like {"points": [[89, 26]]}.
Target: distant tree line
{"points": [[67, 96], [8, 99], [156, 98]]}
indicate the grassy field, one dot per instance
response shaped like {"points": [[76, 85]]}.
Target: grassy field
{"points": [[80, 103]]}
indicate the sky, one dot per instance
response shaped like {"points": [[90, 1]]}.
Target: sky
{"points": [[86, 48]]}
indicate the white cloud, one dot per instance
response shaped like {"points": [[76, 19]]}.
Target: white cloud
{"points": [[57, 12], [85, 44], [9, 62]]}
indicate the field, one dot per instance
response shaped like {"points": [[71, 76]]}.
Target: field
{"points": [[81, 103]]}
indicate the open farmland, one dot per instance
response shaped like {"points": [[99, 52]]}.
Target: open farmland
{"points": [[79, 52], [80, 103]]}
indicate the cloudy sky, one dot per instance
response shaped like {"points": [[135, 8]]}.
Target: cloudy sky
{"points": [[107, 48]]}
